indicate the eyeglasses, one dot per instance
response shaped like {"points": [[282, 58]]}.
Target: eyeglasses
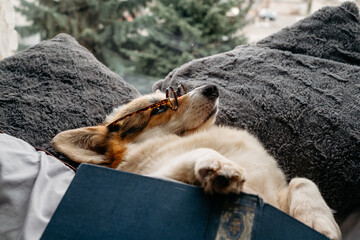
{"points": [[170, 100]]}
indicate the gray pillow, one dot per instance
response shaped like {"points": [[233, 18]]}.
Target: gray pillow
{"points": [[305, 108], [332, 33], [54, 86]]}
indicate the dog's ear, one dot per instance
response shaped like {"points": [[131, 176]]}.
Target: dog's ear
{"points": [[82, 145]]}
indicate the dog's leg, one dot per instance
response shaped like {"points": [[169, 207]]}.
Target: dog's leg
{"points": [[207, 168], [303, 200]]}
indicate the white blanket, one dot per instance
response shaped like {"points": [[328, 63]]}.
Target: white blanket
{"points": [[32, 184]]}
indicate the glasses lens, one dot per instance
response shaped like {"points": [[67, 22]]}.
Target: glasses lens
{"points": [[181, 90], [171, 95]]}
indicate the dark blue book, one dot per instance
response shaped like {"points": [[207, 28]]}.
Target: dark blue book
{"points": [[102, 203]]}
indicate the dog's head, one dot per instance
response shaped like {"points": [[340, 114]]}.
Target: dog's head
{"points": [[196, 111]]}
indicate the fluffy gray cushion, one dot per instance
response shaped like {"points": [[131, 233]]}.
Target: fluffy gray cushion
{"points": [[54, 86], [298, 91], [332, 33]]}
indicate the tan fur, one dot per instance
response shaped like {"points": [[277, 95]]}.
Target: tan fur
{"points": [[186, 146]]}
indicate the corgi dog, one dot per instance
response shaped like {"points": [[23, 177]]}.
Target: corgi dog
{"points": [[174, 136]]}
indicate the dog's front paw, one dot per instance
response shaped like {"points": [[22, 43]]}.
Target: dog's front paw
{"points": [[219, 176], [308, 206], [318, 220], [324, 225]]}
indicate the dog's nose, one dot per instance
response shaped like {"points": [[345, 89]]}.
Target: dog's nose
{"points": [[211, 91]]}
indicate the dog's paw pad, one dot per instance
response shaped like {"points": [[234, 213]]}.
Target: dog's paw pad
{"points": [[219, 176], [204, 172]]}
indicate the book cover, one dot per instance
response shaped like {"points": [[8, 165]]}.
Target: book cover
{"points": [[103, 203]]}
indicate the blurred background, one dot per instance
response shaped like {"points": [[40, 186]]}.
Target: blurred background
{"points": [[143, 40]]}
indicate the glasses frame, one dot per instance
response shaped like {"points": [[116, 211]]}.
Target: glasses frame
{"points": [[173, 104]]}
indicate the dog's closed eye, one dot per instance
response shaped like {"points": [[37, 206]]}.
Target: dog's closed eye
{"points": [[159, 110]]}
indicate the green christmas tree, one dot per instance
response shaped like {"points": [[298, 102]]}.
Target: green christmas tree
{"points": [[101, 26], [179, 31], [149, 37]]}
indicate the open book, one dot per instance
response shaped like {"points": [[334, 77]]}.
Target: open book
{"points": [[103, 203]]}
